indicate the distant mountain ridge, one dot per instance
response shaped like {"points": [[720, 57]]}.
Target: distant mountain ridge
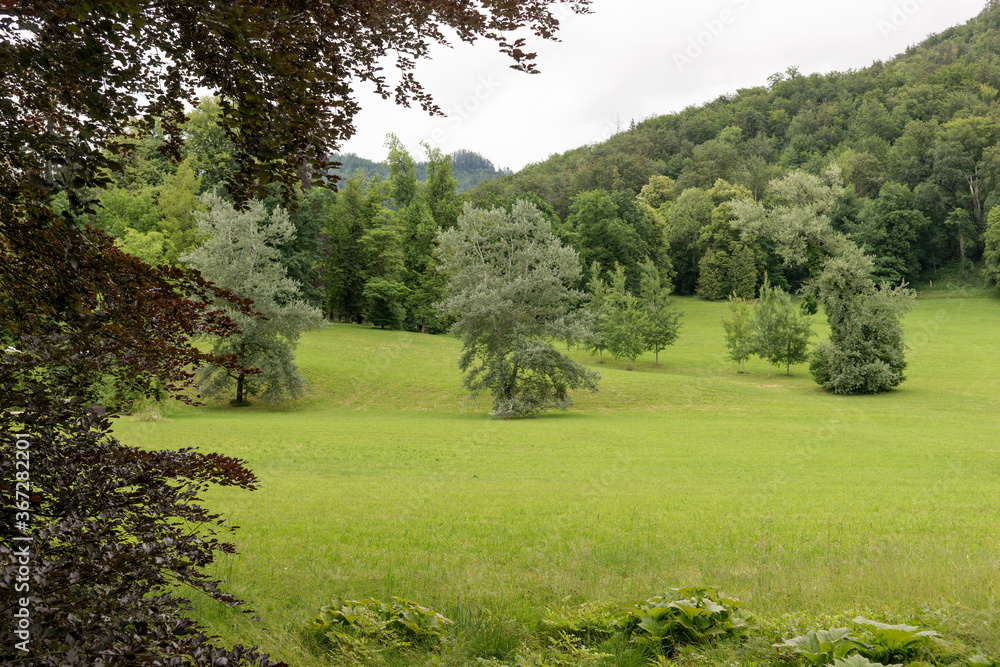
{"points": [[469, 168]]}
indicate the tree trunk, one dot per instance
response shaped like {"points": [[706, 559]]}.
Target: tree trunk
{"points": [[239, 389]]}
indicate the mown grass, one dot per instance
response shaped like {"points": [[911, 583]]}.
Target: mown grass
{"points": [[384, 481]]}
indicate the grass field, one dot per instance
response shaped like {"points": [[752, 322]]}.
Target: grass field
{"points": [[384, 482]]}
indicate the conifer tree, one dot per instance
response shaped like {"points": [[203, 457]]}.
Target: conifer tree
{"points": [[344, 269], [743, 272], [713, 275]]}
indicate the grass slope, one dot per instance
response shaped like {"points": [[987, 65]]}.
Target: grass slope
{"points": [[383, 482]]}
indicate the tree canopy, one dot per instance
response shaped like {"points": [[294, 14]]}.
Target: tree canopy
{"points": [[510, 291]]}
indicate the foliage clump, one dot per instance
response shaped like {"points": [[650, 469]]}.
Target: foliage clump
{"points": [[358, 630], [880, 642], [692, 615]]}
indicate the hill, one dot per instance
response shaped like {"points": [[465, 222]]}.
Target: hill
{"points": [[919, 134], [468, 167]]}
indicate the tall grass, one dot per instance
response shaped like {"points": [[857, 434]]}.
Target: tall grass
{"points": [[384, 481]]}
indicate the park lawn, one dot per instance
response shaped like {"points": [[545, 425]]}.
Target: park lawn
{"points": [[386, 481]]}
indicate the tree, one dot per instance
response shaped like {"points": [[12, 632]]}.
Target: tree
{"points": [[714, 271], [991, 256], [242, 255], [779, 332], [866, 350], [738, 328], [797, 325], [440, 188], [768, 333], [743, 272], [509, 280], [961, 221], [626, 321], [664, 322], [598, 289], [385, 302], [344, 269]]}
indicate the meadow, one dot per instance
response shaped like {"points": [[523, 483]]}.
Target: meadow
{"points": [[385, 481]]}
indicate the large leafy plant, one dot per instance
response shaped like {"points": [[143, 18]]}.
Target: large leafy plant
{"points": [[881, 643], [391, 621], [693, 615], [894, 642]]}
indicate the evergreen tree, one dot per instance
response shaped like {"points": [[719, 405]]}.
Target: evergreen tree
{"points": [[242, 255], [403, 186], [714, 276], [664, 322], [425, 288], [743, 272], [509, 286], [627, 323], [440, 189], [344, 269], [304, 254]]}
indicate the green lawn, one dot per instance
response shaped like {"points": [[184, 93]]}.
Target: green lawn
{"points": [[384, 482]]}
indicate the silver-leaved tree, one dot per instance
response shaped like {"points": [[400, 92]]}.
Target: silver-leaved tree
{"points": [[510, 291], [242, 255]]}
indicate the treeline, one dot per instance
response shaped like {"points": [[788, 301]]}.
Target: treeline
{"points": [[363, 253], [468, 167], [916, 140]]}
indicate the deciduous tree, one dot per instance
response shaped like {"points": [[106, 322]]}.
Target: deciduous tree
{"points": [[627, 322], [242, 254], [738, 327], [509, 286], [664, 322]]}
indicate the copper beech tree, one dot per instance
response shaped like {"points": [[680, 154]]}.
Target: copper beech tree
{"points": [[82, 323]]}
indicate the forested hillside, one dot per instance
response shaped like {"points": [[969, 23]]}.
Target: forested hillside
{"points": [[915, 140]]}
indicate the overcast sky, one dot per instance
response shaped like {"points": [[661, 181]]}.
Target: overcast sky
{"points": [[632, 59]]}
